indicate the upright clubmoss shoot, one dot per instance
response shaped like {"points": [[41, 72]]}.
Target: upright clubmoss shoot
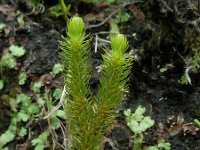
{"points": [[75, 57], [119, 44], [88, 116]]}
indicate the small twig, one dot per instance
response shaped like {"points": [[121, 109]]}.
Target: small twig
{"points": [[97, 38], [12, 1], [63, 129], [166, 5], [42, 8], [54, 136], [54, 145], [195, 23], [52, 132], [187, 70], [36, 10], [112, 143], [103, 22], [96, 43], [131, 2], [187, 74], [180, 55], [66, 142], [105, 32], [59, 104], [103, 40]]}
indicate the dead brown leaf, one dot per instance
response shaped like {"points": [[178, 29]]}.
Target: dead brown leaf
{"points": [[137, 13], [48, 80], [23, 146], [94, 17], [175, 129], [8, 12], [179, 126], [190, 128]]}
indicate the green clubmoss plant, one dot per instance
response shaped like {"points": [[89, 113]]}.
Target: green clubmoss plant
{"points": [[88, 115]]}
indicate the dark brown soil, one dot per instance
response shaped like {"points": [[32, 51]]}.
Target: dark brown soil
{"points": [[164, 97]]}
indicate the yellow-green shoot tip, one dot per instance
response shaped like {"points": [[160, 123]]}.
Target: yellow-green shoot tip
{"points": [[76, 27], [119, 43]]}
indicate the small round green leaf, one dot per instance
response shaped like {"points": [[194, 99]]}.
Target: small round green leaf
{"points": [[36, 87], [22, 78], [57, 68], [17, 51], [127, 112], [57, 94]]}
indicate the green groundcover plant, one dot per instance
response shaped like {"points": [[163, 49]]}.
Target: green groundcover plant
{"points": [[88, 115], [139, 123]]}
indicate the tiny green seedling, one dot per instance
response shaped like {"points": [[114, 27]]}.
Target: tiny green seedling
{"points": [[122, 17], [26, 109], [17, 51], [22, 132], [22, 78], [57, 94], [8, 61], [39, 142], [2, 26], [36, 87], [164, 69], [197, 122], [161, 145], [1, 84], [57, 68], [138, 123], [61, 9]]}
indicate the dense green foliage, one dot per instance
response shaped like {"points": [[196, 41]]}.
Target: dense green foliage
{"points": [[75, 58], [89, 116]]}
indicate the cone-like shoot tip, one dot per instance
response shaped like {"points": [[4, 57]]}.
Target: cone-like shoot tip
{"points": [[119, 43], [76, 27]]}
